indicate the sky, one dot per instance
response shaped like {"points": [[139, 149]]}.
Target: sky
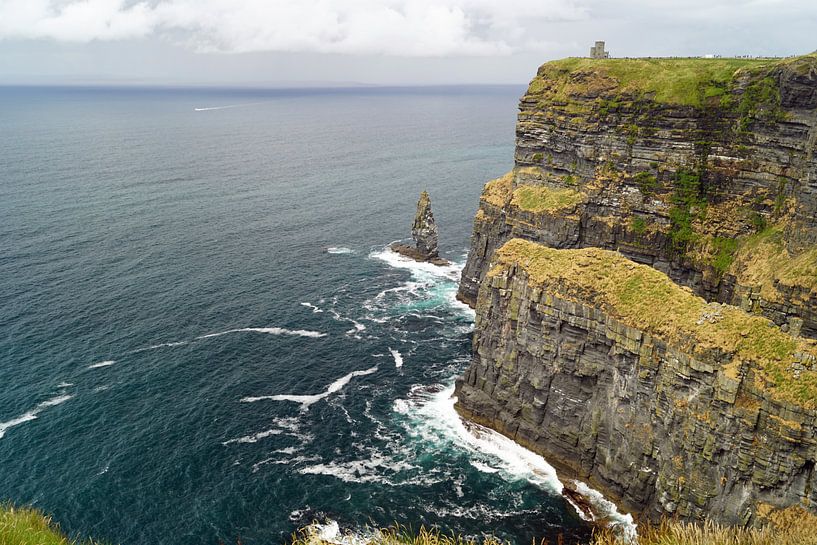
{"points": [[371, 42]]}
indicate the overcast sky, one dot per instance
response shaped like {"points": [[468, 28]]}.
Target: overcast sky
{"points": [[273, 42]]}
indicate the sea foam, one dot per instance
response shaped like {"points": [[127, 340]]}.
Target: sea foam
{"points": [[32, 414], [307, 400]]}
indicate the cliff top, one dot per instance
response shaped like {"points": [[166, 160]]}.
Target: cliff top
{"points": [[682, 81], [644, 298]]}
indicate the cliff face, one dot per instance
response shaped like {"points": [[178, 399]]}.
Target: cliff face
{"points": [[622, 378], [678, 372], [703, 169]]}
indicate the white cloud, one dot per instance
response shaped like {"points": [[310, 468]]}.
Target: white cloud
{"points": [[412, 28]]}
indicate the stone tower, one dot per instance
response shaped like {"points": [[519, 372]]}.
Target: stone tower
{"points": [[598, 52]]}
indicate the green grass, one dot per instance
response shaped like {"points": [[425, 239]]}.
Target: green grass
{"points": [[689, 81], [396, 536], [540, 198], [792, 526], [646, 299], [27, 526]]}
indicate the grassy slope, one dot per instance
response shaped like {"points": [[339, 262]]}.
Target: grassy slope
{"points": [[644, 298], [27, 526]]}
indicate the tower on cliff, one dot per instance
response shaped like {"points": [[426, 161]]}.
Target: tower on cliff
{"points": [[598, 52]]}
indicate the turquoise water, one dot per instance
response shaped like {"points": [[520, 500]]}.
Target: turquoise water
{"points": [[202, 336]]}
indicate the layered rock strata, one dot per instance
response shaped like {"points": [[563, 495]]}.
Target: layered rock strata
{"points": [[425, 235], [620, 377], [703, 169]]}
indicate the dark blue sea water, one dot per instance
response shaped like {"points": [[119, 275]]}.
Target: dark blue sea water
{"points": [[203, 337]]}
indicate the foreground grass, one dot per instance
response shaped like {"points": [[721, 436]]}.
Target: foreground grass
{"points": [[793, 528], [27, 526], [392, 536]]}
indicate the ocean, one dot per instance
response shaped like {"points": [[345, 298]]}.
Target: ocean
{"points": [[204, 337]]}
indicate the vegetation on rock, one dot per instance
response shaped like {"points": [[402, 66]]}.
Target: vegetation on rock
{"points": [[646, 299], [793, 526], [27, 526], [540, 198]]}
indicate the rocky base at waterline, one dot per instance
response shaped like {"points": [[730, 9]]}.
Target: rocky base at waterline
{"points": [[415, 254]]}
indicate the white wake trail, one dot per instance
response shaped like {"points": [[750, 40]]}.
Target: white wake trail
{"points": [[106, 363], [307, 400], [32, 414], [268, 330]]}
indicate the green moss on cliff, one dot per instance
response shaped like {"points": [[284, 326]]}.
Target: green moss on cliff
{"points": [[540, 198], [646, 299]]}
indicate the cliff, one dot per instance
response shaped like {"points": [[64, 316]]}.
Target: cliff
{"points": [[701, 168], [647, 324]]}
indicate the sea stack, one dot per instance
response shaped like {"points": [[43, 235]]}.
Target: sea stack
{"points": [[424, 233]]}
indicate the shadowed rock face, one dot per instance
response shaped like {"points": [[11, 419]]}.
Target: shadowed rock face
{"points": [[424, 230], [424, 233]]}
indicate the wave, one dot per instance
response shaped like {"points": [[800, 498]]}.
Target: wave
{"points": [[254, 438], [368, 470], [398, 358], [314, 308], [606, 511], [65, 384], [268, 330], [339, 250], [420, 268], [32, 414], [161, 345], [437, 417], [307, 400], [106, 363]]}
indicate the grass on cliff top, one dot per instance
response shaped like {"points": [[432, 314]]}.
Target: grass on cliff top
{"points": [[498, 191], [27, 526], [541, 198], [683, 81], [644, 298]]}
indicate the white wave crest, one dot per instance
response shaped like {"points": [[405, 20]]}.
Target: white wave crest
{"points": [[437, 417], [314, 308], [375, 468], [418, 268], [339, 250], [307, 400], [106, 363], [254, 438], [268, 330], [485, 468], [32, 414], [621, 523], [160, 345], [398, 358]]}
